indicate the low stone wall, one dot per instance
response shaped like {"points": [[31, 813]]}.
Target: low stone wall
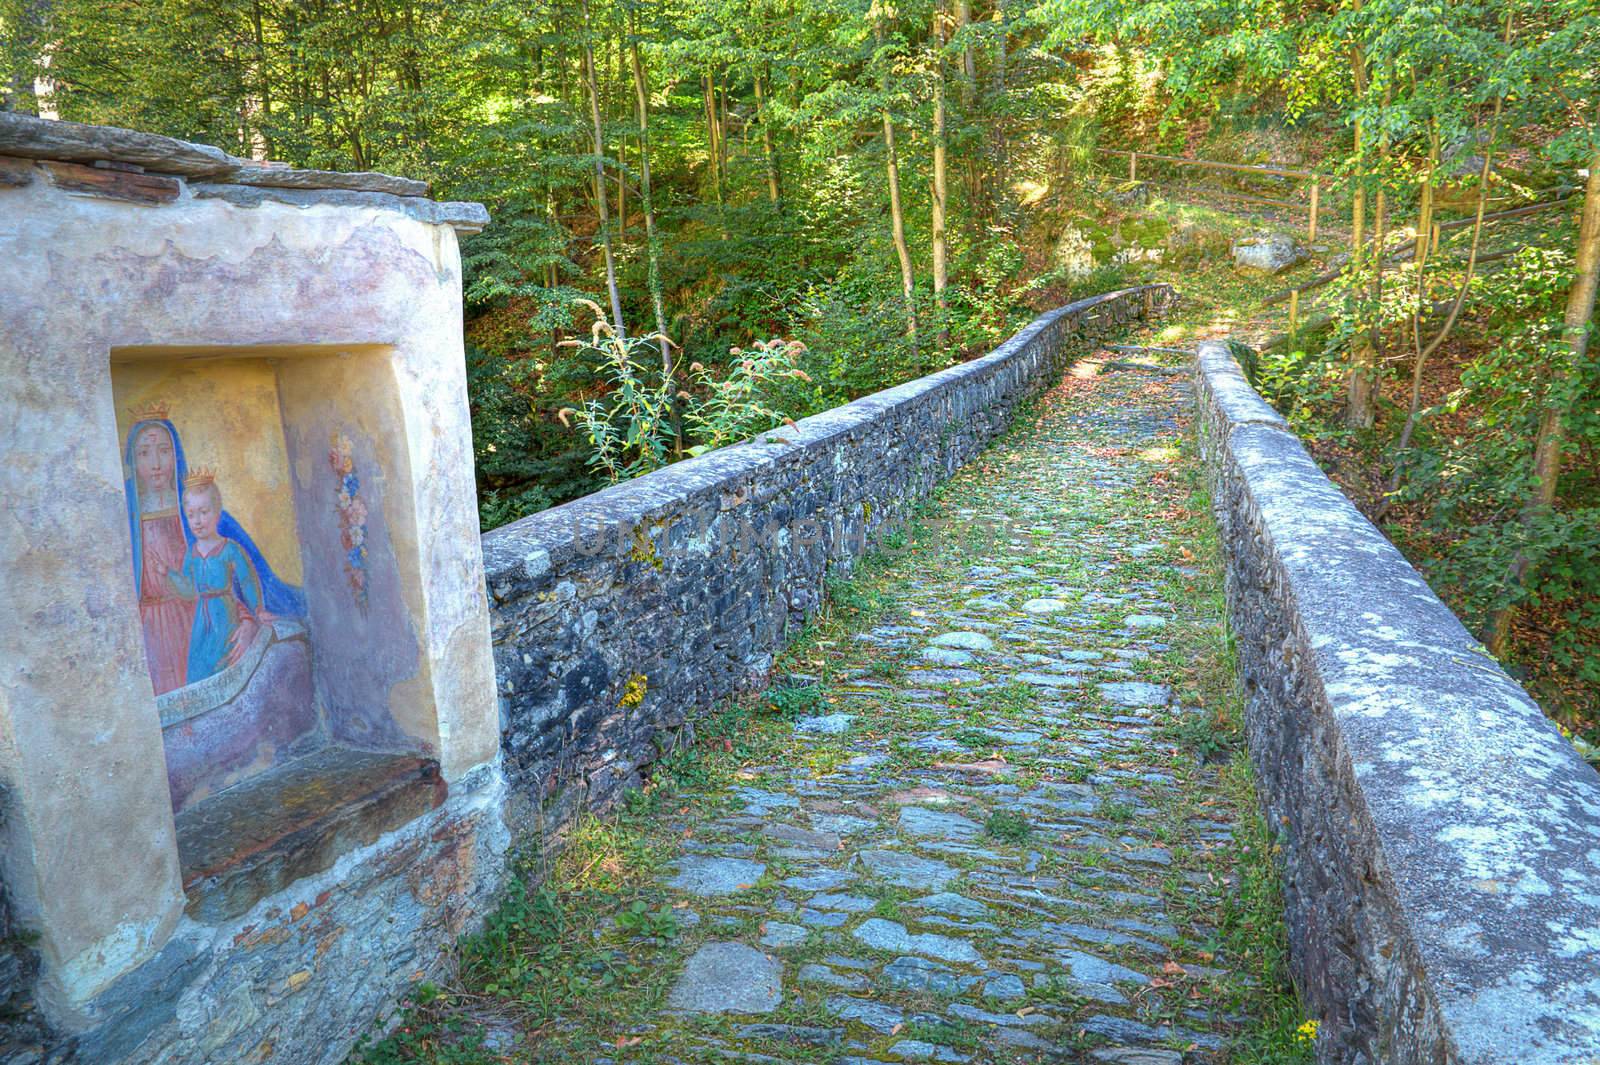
{"points": [[1441, 841], [299, 977], [617, 615]]}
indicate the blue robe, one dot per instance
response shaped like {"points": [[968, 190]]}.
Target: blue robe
{"points": [[218, 583]]}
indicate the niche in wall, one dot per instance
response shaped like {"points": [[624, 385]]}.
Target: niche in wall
{"points": [[270, 561]]}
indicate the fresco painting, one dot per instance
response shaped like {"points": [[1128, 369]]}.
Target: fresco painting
{"points": [[212, 524], [211, 577], [206, 592]]}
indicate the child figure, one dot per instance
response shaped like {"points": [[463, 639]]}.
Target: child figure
{"points": [[218, 575]]}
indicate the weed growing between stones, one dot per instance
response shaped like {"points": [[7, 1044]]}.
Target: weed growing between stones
{"points": [[969, 825], [1008, 826]]}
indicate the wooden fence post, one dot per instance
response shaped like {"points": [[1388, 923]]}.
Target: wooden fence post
{"points": [[1294, 311], [1316, 195], [1133, 166]]}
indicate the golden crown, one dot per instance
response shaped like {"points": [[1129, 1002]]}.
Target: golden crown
{"points": [[200, 477], [153, 411]]}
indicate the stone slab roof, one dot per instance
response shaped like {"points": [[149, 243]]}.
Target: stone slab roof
{"points": [[23, 136]]}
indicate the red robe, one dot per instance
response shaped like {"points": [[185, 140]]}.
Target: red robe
{"points": [[167, 616]]}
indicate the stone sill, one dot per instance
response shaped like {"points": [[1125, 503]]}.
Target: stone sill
{"points": [[260, 836]]}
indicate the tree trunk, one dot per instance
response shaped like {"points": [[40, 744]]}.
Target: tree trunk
{"points": [[997, 90], [1424, 223], [1420, 360], [897, 215], [1363, 359], [898, 220], [719, 100], [766, 143], [940, 252], [1552, 421], [969, 63], [1380, 227], [669, 369], [622, 191], [713, 150], [593, 81]]}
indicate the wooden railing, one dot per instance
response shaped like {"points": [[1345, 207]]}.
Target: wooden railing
{"points": [[1312, 176]]}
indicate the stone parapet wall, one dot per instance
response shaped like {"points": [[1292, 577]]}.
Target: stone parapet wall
{"points": [[1439, 836], [617, 616]]}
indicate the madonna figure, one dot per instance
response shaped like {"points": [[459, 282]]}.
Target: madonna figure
{"points": [[159, 544], [154, 468]]}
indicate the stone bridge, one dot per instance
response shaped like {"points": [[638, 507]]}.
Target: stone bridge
{"points": [[1004, 616]]}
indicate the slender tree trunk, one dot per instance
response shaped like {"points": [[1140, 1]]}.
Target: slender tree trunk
{"points": [[1425, 203], [1363, 359], [719, 96], [972, 161], [1380, 226], [1424, 222], [1420, 360], [713, 149], [622, 191], [262, 139], [940, 251], [600, 181], [898, 220], [969, 63], [897, 217], [766, 143], [669, 368], [1579, 320], [997, 91]]}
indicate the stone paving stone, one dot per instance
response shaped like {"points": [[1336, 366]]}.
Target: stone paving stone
{"points": [[940, 824], [1005, 987], [823, 842], [965, 641], [782, 934], [950, 903], [1135, 693], [921, 1050], [728, 978], [906, 870], [881, 934], [790, 1033], [874, 1015], [716, 876], [919, 974], [818, 880], [1134, 1056], [821, 974], [825, 725]]}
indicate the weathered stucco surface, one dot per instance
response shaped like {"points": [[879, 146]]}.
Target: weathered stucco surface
{"points": [[329, 292], [690, 577], [1441, 840]]}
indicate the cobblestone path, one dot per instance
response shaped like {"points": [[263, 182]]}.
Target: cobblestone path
{"points": [[975, 822]]}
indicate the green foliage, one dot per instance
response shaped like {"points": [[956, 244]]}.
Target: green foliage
{"points": [[1008, 826], [734, 407], [630, 426], [1209, 736], [793, 700], [659, 925]]}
